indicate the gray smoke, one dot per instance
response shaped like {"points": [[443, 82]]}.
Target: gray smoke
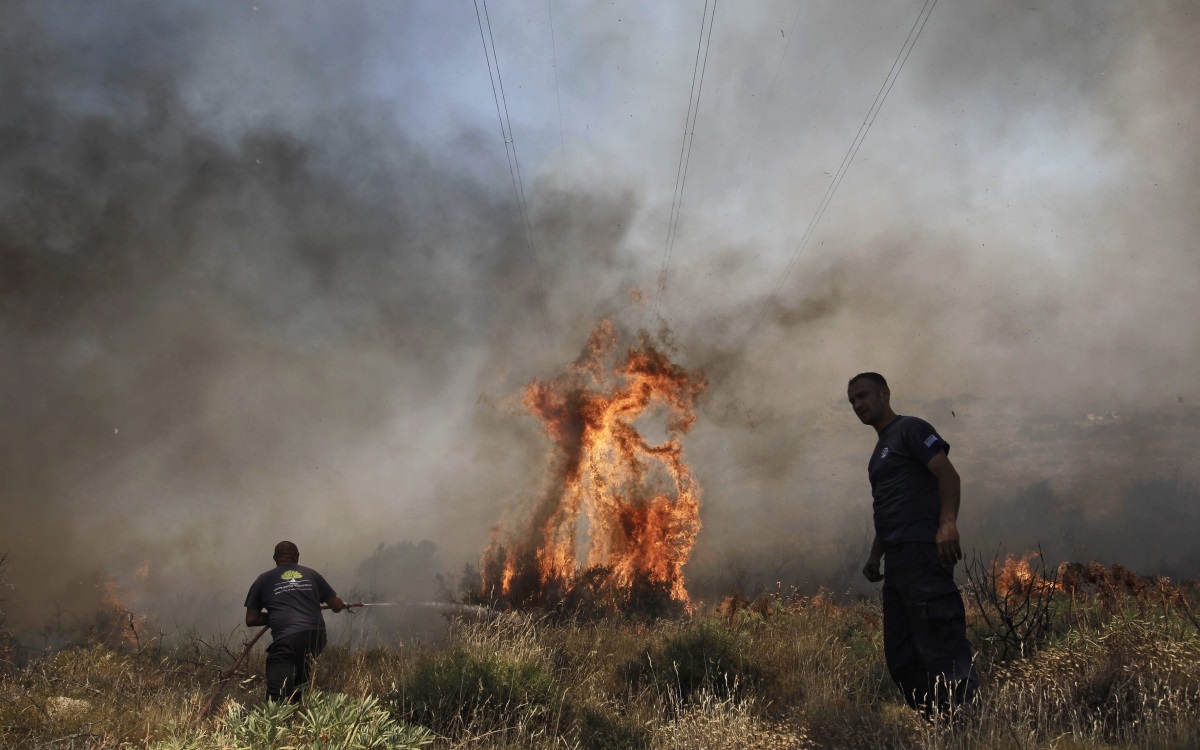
{"points": [[262, 275]]}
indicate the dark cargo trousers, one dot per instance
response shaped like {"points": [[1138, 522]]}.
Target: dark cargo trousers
{"points": [[925, 630], [289, 663]]}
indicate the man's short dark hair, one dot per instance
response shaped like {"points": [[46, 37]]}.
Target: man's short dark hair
{"points": [[874, 377], [287, 548]]}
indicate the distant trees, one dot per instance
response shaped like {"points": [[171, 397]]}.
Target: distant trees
{"points": [[400, 571]]}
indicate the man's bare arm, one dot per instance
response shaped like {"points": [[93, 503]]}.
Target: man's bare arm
{"points": [[335, 603], [950, 491], [256, 618], [871, 569]]}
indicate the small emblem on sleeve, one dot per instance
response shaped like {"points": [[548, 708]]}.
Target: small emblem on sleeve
{"points": [[884, 452], [929, 441]]}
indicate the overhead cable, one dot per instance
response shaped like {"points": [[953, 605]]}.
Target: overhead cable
{"points": [[685, 150], [880, 97], [510, 150]]}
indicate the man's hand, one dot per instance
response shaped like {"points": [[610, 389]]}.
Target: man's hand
{"points": [[335, 604], [948, 549], [871, 570]]}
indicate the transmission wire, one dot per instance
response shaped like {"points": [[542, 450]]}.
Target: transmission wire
{"points": [[685, 151], [510, 150], [880, 97]]}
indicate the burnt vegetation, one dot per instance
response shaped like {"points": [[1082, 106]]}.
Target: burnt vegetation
{"points": [[591, 594]]}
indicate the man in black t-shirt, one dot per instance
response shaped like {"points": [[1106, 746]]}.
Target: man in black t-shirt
{"points": [[292, 596], [915, 494]]}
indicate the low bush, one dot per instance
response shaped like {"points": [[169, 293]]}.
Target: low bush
{"points": [[608, 728], [324, 721], [458, 690], [703, 654]]}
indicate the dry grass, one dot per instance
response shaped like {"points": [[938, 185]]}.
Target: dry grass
{"points": [[776, 673], [94, 697]]}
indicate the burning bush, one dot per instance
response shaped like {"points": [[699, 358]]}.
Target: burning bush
{"points": [[1013, 600], [592, 594], [118, 623], [637, 503]]}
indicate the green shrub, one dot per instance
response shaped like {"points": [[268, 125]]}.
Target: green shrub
{"points": [[703, 654], [264, 728], [609, 730], [457, 689], [326, 721], [335, 720]]}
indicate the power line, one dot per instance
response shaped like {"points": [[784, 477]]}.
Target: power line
{"points": [[510, 150], [880, 97], [685, 150]]}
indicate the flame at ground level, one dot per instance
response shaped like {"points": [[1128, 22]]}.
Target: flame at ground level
{"points": [[636, 503], [1020, 576]]}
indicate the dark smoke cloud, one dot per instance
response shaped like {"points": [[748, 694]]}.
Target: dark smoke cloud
{"points": [[210, 330], [262, 275]]}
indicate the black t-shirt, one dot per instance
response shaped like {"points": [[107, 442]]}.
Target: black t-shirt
{"points": [[905, 494], [292, 596]]}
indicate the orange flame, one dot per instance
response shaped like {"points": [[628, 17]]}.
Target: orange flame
{"points": [[117, 623], [1016, 576], [637, 504]]}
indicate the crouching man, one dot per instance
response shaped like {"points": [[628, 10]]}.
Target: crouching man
{"points": [[291, 595]]}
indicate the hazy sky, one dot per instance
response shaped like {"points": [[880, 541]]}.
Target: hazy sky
{"points": [[263, 275]]}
